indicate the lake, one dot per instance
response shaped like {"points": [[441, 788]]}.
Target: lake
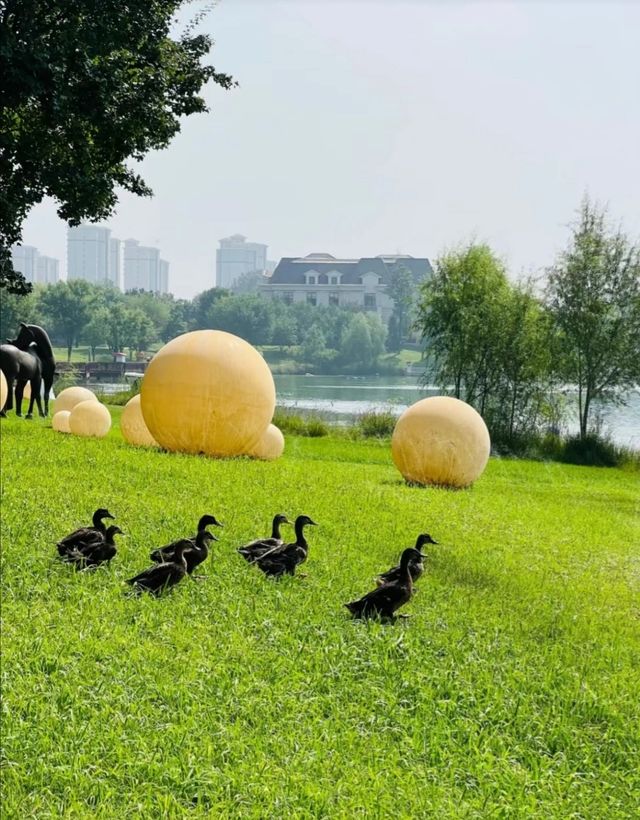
{"points": [[345, 397]]}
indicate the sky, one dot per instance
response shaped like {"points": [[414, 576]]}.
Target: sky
{"points": [[381, 126]]}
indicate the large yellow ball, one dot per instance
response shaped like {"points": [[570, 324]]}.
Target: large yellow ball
{"points": [[68, 398], [4, 389], [60, 421], [90, 418], [208, 392], [441, 440], [271, 445], [27, 392], [132, 425]]}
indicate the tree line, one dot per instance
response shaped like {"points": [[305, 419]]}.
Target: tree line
{"points": [[508, 348], [326, 338]]}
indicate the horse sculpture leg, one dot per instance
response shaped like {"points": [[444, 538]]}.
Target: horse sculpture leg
{"points": [[20, 383], [36, 386], [48, 383]]}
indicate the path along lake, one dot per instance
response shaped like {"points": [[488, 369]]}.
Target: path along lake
{"points": [[343, 398]]}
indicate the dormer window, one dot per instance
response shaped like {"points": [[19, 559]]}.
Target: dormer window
{"points": [[334, 280], [311, 280]]}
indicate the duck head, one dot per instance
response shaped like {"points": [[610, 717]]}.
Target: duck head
{"points": [[208, 520], [205, 537], [305, 521], [422, 539], [281, 518], [113, 530], [101, 513]]}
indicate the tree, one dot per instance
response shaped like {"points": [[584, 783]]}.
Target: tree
{"points": [[86, 86], [69, 306], [16, 308], [137, 330], [202, 304], [357, 346], [401, 289], [459, 316], [594, 295], [313, 346], [96, 331]]}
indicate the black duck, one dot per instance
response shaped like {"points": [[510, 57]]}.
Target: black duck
{"points": [[416, 568], [255, 549], [85, 535], [166, 553], [91, 554], [383, 602], [284, 559], [160, 577]]}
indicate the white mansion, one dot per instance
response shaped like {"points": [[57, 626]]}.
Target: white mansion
{"points": [[321, 279]]}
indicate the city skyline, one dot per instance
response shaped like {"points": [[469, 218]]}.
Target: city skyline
{"points": [[384, 128]]}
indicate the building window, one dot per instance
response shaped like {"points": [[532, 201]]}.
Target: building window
{"points": [[287, 297], [334, 280], [334, 299], [311, 280], [312, 299], [323, 279], [370, 301]]}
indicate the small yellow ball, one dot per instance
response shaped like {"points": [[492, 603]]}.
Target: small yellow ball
{"points": [[68, 398], [60, 421], [132, 425], [90, 418], [441, 440], [271, 445]]}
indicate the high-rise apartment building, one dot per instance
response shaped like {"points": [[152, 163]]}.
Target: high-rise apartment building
{"points": [[25, 260], [48, 270], [37, 269], [93, 255], [143, 268], [236, 256]]}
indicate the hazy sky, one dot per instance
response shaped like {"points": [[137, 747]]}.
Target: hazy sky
{"points": [[367, 127]]}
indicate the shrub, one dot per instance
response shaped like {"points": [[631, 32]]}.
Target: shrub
{"points": [[312, 426], [376, 424]]}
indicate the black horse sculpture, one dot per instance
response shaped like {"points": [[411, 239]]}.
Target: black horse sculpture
{"points": [[28, 358]]}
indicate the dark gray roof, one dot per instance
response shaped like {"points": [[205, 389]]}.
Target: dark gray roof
{"points": [[291, 270]]}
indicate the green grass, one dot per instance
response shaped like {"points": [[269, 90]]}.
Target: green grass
{"points": [[512, 692]]}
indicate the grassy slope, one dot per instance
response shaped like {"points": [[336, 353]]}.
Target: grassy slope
{"points": [[511, 691]]}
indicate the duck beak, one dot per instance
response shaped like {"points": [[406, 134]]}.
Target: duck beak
{"points": [[112, 517]]}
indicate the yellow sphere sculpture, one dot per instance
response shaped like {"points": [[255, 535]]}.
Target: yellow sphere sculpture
{"points": [[68, 398], [441, 440], [132, 425], [271, 445], [60, 421], [27, 392], [90, 418], [4, 389], [208, 392]]}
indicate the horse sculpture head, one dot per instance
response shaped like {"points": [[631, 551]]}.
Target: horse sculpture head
{"points": [[24, 339]]}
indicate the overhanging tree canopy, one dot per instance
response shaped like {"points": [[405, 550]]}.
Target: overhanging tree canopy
{"points": [[86, 85]]}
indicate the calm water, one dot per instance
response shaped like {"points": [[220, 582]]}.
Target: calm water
{"points": [[344, 397]]}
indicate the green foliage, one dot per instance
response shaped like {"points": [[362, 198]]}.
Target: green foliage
{"points": [[402, 289], [87, 86], [68, 307], [511, 692], [594, 297], [289, 422], [490, 342], [376, 424]]}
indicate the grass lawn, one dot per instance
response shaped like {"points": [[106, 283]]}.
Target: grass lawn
{"points": [[512, 692]]}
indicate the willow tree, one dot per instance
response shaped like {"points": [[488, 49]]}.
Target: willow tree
{"points": [[594, 295]]}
